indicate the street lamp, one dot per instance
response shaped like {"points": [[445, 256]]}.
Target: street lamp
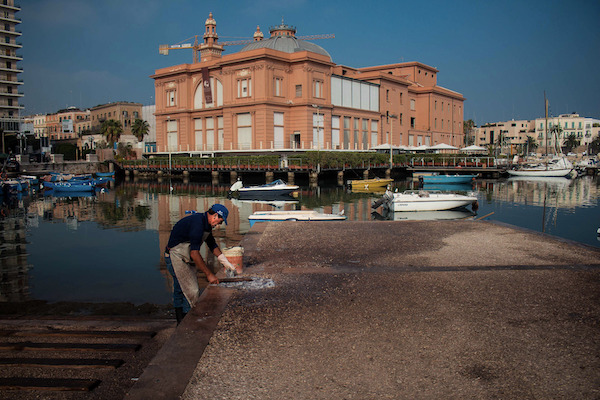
{"points": [[393, 116], [318, 107]]}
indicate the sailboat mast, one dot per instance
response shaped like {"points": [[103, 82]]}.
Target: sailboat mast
{"points": [[546, 123]]}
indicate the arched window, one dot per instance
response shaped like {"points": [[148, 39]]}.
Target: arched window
{"points": [[217, 95]]}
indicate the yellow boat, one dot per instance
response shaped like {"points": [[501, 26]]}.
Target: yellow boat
{"points": [[369, 184]]}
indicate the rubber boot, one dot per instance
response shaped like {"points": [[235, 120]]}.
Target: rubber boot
{"points": [[179, 314]]}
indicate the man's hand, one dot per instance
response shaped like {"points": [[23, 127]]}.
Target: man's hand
{"points": [[212, 279]]}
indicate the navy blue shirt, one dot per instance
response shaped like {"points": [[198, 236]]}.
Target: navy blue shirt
{"points": [[194, 229]]}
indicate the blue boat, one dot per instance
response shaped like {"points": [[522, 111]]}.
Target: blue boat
{"points": [[105, 174], [80, 186], [445, 178], [58, 193]]}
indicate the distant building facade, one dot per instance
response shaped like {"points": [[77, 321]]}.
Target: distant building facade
{"points": [[122, 111], [510, 136], [150, 139], [286, 93], [9, 69], [584, 129]]}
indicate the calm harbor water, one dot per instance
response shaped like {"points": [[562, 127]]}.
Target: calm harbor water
{"points": [[108, 247]]}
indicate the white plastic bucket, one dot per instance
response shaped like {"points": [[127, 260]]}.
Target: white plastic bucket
{"points": [[235, 256]]}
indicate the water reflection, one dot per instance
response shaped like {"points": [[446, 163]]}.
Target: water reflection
{"points": [[108, 247]]}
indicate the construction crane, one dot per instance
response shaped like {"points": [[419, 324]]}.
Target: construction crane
{"points": [[164, 48]]}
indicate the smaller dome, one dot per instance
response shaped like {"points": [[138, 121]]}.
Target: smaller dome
{"points": [[210, 20], [258, 35]]}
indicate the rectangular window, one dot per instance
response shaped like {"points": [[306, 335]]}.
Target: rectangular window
{"points": [[401, 98], [210, 134], [278, 130], [356, 133], [374, 133], [365, 134], [318, 134], [198, 134], [412, 122], [244, 131], [411, 140], [220, 133], [171, 94], [244, 87], [335, 132], [172, 140], [412, 104], [318, 89], [277, 87], [346, 133], [298, 90]]}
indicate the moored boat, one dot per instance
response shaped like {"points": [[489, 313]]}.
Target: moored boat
{"points": [[446, 178], [368, 184], [296, 215], [557, 167], [78, 186], [424, 200], [105, 174], [275, 188]]}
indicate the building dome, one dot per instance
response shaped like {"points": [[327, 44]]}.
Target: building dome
{"points": [[283, 39]]}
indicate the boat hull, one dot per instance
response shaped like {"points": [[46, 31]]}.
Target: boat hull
{"points": [[69, 187], [250, 193], [448, 179], [552, 173], [301, 215], [425, 201], [367, 184]]}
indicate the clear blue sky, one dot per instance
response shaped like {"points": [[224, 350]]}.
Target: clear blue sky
{"points": [[501, 55]]}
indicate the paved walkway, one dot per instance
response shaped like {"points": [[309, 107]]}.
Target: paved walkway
{"points": [[394, 310]]}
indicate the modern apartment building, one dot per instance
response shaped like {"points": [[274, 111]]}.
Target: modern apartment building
{"points": [[585, 129], [66, 124], [285, 93], [509, 136], [9, 69], [123, 111]]}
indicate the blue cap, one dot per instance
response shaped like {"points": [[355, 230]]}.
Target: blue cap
{"points": [[221, 210]]}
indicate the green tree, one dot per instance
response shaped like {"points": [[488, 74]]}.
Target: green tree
{"points": [[468, 130], [571, 142], [112, 130], [530, 144], [140, 128], [595, 145]]}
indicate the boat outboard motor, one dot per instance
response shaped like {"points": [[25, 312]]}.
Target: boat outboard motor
{"points": [[236, 186], [384, 199]]}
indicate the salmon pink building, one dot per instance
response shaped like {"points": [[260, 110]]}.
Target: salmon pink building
{"points": [[283, 93]]}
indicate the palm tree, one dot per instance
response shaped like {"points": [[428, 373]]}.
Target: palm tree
{"points": [[595, 146], [530, 144], [112, 130], [140, 128], [468, 127], [571, 142]]}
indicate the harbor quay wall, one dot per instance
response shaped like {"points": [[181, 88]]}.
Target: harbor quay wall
{"points": [[391, 309], [67, 167]]}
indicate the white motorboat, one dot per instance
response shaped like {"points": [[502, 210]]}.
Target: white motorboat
{"points": [[461, 213], [557, 167], [296, 215], [275, 188], [425, 200]]}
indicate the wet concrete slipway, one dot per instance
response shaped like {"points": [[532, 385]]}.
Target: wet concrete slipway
{"points": [[389, 310]]}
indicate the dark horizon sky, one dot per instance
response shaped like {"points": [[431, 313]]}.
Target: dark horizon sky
{"points": [[501, 56]]}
